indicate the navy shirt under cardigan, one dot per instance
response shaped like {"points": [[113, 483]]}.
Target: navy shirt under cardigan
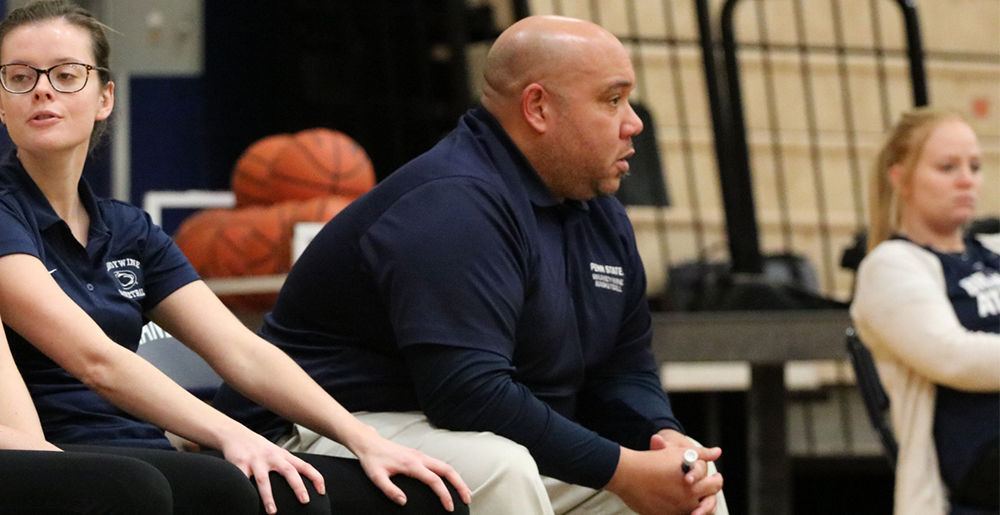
{"points": [[128, 266], [966, 424], [460, 287]]}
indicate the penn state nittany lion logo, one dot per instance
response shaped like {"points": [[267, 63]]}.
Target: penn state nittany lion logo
{"points": [[126, 278], [126, 272]]}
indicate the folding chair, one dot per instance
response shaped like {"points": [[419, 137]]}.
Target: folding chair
{"points": [[874, 396], [178, 362]]}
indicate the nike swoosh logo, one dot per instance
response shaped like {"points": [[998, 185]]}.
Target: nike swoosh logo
{"points": [[53, 270]]}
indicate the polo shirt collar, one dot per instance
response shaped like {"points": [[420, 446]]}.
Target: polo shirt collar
{"points": [[46, 216], [538, 193]]}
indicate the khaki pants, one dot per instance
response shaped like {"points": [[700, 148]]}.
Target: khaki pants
{"points": [[502, 475]]}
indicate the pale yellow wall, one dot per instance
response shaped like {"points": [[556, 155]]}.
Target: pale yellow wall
{"points": [[957, 26]]}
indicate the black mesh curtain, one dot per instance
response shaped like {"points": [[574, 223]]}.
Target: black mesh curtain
{"points": [[389, 73]]}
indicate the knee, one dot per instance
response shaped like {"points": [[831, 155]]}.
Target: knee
{"points": [[288, 503], [148, 491], [509, 463], [420, 498], [504, 478], [213, 485]]}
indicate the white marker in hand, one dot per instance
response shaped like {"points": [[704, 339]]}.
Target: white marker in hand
{"points": [[690, 456]]}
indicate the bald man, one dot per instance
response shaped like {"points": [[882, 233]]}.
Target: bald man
{"points": [[486, 302]]}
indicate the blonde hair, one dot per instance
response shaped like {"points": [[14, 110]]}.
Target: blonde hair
{"points": [[902, 146]]}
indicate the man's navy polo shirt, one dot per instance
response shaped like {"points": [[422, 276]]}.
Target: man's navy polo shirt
{"points": [[464, 248], [128, 267]]}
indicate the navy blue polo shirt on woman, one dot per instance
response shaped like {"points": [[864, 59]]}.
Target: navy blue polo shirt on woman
{"points": [[128, 266], [459, 286]]}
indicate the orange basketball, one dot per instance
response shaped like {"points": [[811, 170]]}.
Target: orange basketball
{"points": [[318, 162], [196, 237], [255, 240], [252, 181]]}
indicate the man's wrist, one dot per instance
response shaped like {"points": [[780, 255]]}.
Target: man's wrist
{"points": [[621, 478]]}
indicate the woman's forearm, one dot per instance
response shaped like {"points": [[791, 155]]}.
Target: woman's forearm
{"points": [[254, 367], [36, 307]]}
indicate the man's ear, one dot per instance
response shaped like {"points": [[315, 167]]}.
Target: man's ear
{"points": [[535, 107], [106, 102]]}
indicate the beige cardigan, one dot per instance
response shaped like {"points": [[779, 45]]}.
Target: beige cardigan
{"points": [[902, 313]]}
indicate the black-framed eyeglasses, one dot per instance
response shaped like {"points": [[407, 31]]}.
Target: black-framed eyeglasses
{"points": [[64, 77]]}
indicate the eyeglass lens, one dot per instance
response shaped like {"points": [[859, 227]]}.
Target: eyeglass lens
{"points": [[65, 78]]}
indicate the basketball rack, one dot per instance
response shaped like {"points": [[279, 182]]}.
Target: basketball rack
{"points": [[155, 202]]}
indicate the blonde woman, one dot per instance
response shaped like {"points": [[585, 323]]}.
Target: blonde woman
{"points": [[928, 305]]}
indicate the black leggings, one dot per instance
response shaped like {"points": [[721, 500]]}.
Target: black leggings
{"points": [[204, 483], [349, 490], [65, 483]]}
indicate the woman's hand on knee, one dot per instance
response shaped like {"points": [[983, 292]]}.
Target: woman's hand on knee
{"points": [[257, 457], [382, 459]]}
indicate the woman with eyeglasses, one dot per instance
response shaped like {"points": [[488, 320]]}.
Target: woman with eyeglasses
{"points": [[80, 275], [927, 304]]}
